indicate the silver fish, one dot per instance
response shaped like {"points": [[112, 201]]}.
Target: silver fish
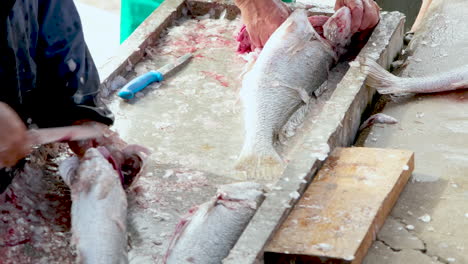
{"points": [[99, 209], [378, 119], [209, 232], [293, 64], [387, 83]]}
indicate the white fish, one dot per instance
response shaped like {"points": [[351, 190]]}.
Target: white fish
{"points": [[387, 83], [293, 64], [208, 234], [99, 209], [378, 119]]}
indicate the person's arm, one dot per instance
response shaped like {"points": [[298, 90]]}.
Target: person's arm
{"points": [[67, 82], [13, 137]]}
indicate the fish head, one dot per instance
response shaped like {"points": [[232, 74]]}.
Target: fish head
{"points": [[90, 170], [128, 162], [134, 164], [297, 23], [241, 193], [337, 29]]}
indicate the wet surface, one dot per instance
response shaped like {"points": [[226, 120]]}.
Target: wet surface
{"points": [[193, 126], [435, 128], [194, 118]]}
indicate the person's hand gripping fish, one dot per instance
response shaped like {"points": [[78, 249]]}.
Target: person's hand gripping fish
{"points": [[263, 17]]}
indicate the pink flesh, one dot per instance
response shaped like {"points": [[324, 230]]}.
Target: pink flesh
{"points": [[245, 46], [179, 230], [107, 155], [337, 29], [318, 22]]}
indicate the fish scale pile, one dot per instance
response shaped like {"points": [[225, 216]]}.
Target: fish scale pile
{"points": [[194, 35]]}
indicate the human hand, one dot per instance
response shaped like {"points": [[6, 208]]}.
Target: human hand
{"points": [[128, 160], [14, 143], [365, 13], [262, 18]]}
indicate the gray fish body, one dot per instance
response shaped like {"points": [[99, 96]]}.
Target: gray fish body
{"points": [[387, 83], [99, 209], [293, 64], [208, 235]]}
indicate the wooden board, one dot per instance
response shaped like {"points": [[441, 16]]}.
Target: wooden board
{"points": [[339, 215]]}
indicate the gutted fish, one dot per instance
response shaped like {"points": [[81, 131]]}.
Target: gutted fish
{"points": [[209, 232], [99, 208], [293, 64], [387, 83]]}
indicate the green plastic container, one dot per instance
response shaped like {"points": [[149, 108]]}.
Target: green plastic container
{"points": [[134, 12]]}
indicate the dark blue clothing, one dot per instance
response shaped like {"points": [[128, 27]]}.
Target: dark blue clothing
{"points": [[46, 71]]}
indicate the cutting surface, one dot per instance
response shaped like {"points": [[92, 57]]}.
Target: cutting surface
{"points": [[341, 211]]}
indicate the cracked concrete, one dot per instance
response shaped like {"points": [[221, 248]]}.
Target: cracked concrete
{"points": [[382, 254], [434, 203], [395, 235]]}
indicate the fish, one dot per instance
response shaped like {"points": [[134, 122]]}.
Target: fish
{"points": [[386, 83], [378, 119], [210, 230], [294, 63], [99, 208]]}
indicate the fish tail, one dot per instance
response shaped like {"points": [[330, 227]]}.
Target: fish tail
{"points": [[382, 80], [260, 165]]}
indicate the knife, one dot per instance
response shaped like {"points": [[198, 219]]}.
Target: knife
{"points": [[60, 134], [142, 81]]}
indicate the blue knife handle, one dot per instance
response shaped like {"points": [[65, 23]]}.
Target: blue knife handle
{"points": [[140, 83]]}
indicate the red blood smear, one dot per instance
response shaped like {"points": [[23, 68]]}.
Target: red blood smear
{"points": [[192, 42], [220, 78], [245, 46]]}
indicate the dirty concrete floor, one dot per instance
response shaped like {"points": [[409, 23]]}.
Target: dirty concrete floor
{"points": [[428, 223]]}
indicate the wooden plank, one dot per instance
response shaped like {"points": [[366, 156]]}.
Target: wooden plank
{"points": [[344, 207], [336, 126]]}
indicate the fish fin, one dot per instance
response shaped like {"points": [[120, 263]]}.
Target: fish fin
{"points": [[382, 80], [261, 166], [305, 97], [321, 89], [68, 169], [248, 66], [460, 85], [303, 39], [296, 121]]}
